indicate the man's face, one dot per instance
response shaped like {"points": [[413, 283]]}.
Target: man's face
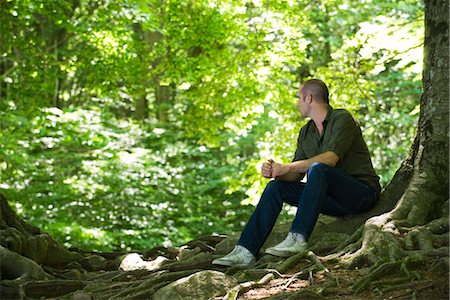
{"points": [[302, 104]]}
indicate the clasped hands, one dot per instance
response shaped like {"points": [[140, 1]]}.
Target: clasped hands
{"points": [[272, 169]]}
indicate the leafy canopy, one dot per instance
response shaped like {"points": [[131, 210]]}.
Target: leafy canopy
{"points": [[126, 124]]}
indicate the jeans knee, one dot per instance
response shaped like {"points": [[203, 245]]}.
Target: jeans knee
{"points": [[273, 191], [272, 186], [316, 168]]}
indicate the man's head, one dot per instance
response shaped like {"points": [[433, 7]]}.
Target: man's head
{"points": [[312, 92]]}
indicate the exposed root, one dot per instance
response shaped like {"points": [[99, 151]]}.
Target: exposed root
{"points": [[290, 262], [52, 288], [416, 285], [422, 254], [19, 268], [307, 272], [375, 273], [202, 260], [317, 262], [353, 242], [419, 239], [130, 287], [241, 288]]}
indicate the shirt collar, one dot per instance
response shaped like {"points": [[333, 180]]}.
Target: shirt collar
{"points": [[328, 117]]}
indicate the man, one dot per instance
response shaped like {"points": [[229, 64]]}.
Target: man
{"points": [[341, 180]]}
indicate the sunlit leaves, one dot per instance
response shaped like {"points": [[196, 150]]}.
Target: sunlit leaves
{"points": [[73, 72], [135, 187]]}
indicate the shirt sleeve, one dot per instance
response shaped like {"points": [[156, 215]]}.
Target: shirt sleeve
{"points": [[299, 152], [343, 132]]}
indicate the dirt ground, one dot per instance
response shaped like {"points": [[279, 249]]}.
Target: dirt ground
{"points": [[338, 285]]}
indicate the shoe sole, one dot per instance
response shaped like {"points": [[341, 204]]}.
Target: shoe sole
{"points": [[230, 264], [279, 253], [225, 264]]}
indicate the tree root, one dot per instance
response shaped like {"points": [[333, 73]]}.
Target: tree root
{"points": [[317, 262], [52, 288], [419, 239], [378, 271], [241, 288], [316, 267], [302, 294], [351, 244], [439, 252], [19, 268], [384, 239], [127, 287], [296, 276], [290, 263], [416, 285], [202, 260], [375, 273], [255, 274]]}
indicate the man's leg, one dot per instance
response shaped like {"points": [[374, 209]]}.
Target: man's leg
{"points": [[266, 212], [330, 191]]}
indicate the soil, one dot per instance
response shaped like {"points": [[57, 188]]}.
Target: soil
{"points": [[427, 285]]}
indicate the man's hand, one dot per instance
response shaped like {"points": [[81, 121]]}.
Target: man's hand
{"points": [[279, 169], [266, 169], [271, 169]]}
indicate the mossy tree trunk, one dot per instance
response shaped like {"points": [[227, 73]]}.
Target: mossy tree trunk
{"points": [[28, 241]]}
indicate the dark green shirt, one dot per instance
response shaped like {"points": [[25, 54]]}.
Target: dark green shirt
{"points": [[342, 135]]}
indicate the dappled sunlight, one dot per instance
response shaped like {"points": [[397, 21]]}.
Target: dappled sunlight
{"points": [[393, 39], [132, 182], [153, 120], [133, 157]]}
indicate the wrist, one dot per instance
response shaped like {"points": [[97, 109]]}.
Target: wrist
{"points": [[296, 166], [290, 167]]}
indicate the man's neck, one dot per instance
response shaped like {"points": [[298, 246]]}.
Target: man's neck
{"points": [[319, 115]]}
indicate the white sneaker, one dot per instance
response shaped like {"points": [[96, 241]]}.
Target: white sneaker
{"points": [[240, 256], [293, 244]]}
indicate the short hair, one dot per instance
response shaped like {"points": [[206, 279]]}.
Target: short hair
{"points": [[318, 89]]}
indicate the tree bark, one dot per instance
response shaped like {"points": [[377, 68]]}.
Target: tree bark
{"points": [[419, 221], [27, 241]]}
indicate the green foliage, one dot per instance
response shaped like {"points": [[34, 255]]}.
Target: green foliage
{"points": [[134, 123], [84, 175]]}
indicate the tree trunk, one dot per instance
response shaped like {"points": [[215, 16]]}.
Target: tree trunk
{"points": [[418, 225], [163, 100], [28, 241]]}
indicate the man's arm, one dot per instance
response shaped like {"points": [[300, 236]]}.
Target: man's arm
{"points": [[266, 171], [291, 176], [292, 171]]}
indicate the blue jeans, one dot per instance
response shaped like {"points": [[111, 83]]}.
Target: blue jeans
{"points": [[328, 190]]}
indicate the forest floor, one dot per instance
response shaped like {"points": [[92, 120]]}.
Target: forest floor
{"points": [[305, 278], [428, 285]]}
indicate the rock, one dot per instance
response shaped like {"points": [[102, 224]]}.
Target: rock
{"points": [[155, 264], [76, 266], [73, 274], [81, 295], [94, 263], [225, 246], [186, 254], [134, 261], [198, 286], [200, 260]]}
